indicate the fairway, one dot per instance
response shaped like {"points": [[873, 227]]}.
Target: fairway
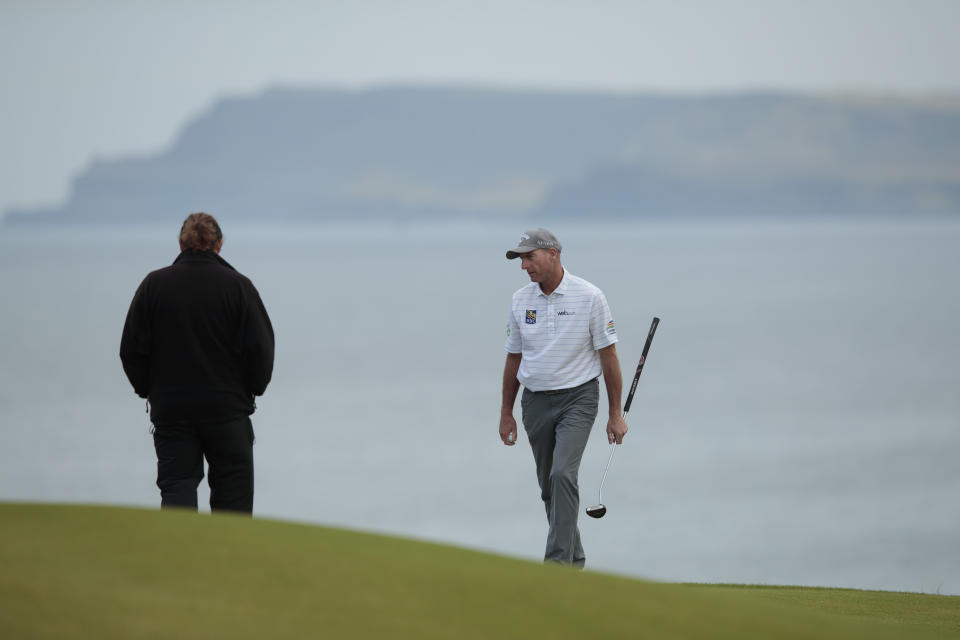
{"points": [[107, 572]]}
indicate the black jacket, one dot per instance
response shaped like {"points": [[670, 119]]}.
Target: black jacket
{"points": [[197, 341]]}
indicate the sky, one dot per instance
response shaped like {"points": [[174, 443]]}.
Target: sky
{"points": [[87, 80]]}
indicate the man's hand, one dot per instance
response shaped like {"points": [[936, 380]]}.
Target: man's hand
{"points": [[616, 429], [508, 430]]}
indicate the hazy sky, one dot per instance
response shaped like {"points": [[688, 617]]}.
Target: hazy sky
{"points": [[88, 79]]}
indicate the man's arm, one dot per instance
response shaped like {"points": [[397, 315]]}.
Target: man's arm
{"points": [[258, 345], [135, 344], [508, 426], [616, 425]]}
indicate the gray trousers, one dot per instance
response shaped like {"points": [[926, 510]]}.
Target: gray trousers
{"points": [[558, 424]]}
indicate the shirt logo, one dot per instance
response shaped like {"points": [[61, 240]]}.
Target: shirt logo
{"points": [[610, 328], [531, 316], [566, 313]]}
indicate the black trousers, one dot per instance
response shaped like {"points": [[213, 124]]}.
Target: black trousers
{"points": [[228, 448]]}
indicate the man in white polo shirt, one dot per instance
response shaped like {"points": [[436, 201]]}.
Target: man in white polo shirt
{"points": [[560, 338]]}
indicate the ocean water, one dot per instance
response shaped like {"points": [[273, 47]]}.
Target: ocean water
{"points": [[797, 422]]}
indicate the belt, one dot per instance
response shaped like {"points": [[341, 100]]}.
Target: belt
{"points": [[553, 392]]}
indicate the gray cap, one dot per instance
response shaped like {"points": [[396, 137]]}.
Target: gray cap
{"points": [[534, 239]]}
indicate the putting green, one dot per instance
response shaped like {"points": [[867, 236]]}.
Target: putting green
{"points": [[106, 572]]}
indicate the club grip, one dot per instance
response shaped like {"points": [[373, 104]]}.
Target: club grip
{"points": [[643, 358]]}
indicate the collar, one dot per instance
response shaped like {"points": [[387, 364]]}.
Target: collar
{"points": [[561, 288], [208, 257]]}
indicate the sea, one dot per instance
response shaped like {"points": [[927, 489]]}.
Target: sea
{"points": [[797, 421]]}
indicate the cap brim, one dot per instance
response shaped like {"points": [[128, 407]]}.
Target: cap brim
{"points": [[519, 251]]}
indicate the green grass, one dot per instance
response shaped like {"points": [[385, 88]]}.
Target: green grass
{"points": [[102, 572]]}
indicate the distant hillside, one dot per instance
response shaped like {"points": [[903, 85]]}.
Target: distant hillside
{"points": [[405, 152]]}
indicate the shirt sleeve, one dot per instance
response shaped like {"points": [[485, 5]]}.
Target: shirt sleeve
{"points": [[135, 343], [514, 342], [257, 343], [602, 330]]}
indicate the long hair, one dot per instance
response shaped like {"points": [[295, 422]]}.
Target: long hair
{"points": [[200, 232]]}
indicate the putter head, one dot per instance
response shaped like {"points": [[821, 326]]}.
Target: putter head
{"points": [[597, 512]]}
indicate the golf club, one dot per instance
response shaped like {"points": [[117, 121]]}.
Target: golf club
{"points": [[599, 510]]}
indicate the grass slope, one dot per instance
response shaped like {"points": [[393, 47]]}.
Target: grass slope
{"points": [[103, 572]]}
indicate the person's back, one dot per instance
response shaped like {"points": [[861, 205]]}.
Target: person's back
{"points": [[198, 344], [208, 360]]}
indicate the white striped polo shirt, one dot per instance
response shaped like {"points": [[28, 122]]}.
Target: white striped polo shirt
{"points": [[559, 334]]}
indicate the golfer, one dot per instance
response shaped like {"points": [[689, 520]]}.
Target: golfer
{"points": [[560, 338], [198, 344]]}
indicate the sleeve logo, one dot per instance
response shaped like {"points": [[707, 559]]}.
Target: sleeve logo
{"points": [[610, 328]]}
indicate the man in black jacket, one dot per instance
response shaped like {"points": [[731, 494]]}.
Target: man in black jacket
{"points": [[198, 345]]}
